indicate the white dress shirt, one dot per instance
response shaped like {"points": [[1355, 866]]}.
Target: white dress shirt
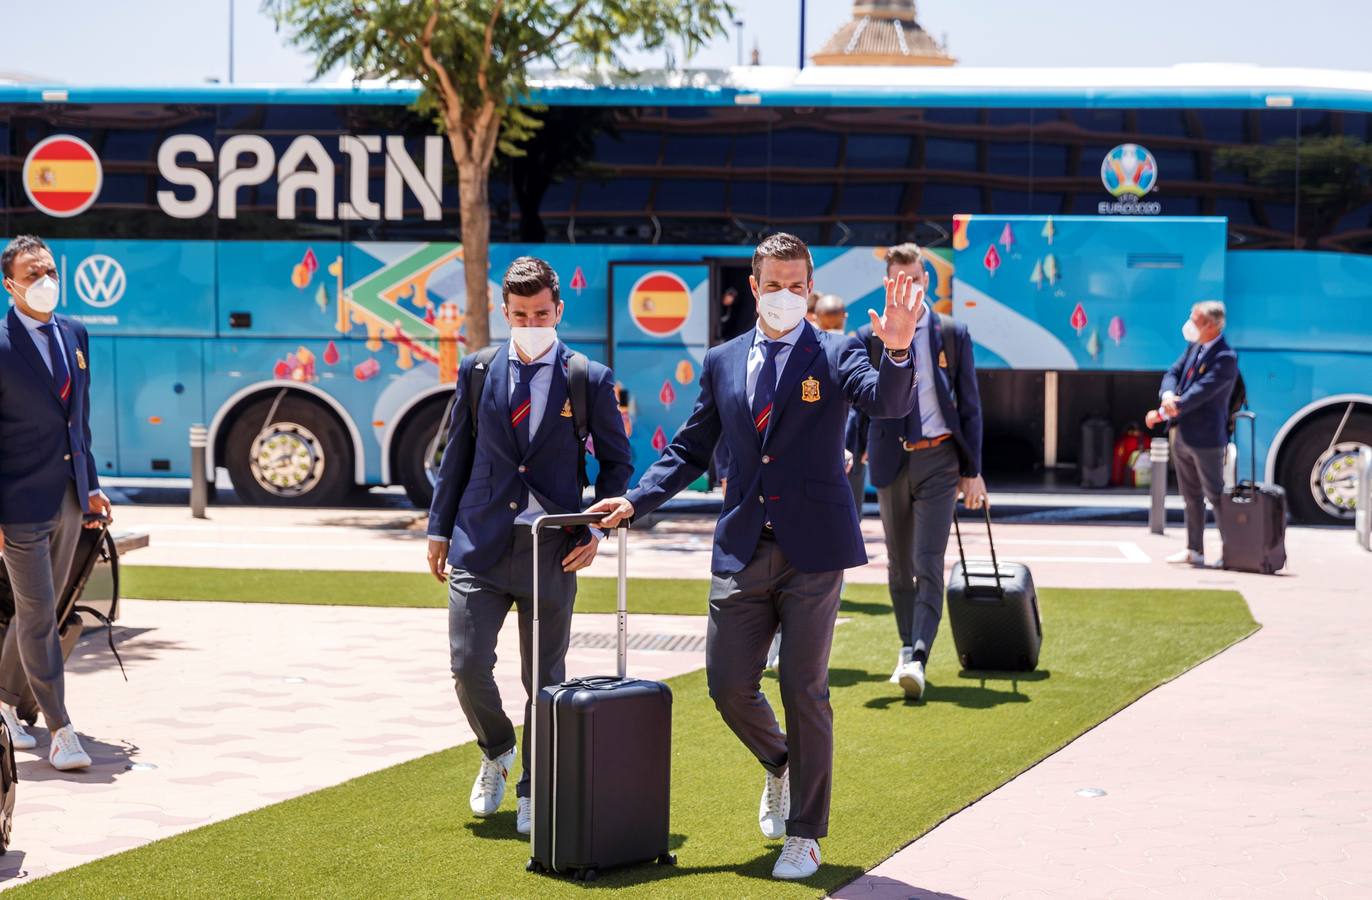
{"points": [[538, 401], [40, 340], [931, 421]]}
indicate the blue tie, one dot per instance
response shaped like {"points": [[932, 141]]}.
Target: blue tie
{"points": [[916, 433], [61, 375], [1188, 374], [766, 388], [521, 403]]}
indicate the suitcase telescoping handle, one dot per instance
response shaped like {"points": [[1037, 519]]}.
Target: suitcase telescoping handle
{"points": [[1252, 443], [571, 520], [995, 566]]}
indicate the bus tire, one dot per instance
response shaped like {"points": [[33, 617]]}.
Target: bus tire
{"points": [[1321, 481], [414, 449], [301, 458]]}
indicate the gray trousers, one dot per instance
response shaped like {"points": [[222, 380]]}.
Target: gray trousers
{"points": [[857, 483], [477, 604], [39, 557], [916, 514], [745, 610], [1200, 477]]}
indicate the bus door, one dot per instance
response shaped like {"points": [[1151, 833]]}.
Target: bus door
{"points": [[733, 308], [659, 331]]}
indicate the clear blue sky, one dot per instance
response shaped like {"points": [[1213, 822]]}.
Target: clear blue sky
{"points": [[185, 41]]}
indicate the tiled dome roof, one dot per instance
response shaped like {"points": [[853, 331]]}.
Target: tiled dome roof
{"points": [[885, 33]]}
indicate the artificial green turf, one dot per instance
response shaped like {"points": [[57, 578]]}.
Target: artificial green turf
{"points": [[900, 769], [594, 595]]}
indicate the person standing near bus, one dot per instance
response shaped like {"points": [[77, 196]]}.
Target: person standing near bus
{"points": [[47, 483], [1195, 405], [779, 398], [488, 493], [920, 466]]}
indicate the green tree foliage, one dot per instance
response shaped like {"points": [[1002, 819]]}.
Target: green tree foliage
{"points": [[472, 59]]}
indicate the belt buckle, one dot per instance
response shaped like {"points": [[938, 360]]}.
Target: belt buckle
{"points": [[911, 448]]}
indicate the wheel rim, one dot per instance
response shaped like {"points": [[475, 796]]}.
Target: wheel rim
{"points": [[430, 453], [1334, 479], [287, 460]]}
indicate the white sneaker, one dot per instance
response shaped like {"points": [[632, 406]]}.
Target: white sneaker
{"points": [[910, 677], [66, 753], [489, 790], [775, 807], [774, 652], [906, 654], [524, 817], [799, 859], [19, 735], [1187, 558]]}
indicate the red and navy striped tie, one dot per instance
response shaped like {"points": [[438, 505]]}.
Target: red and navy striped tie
{"points": [[61, 375], [766, 388], [521, 402]]}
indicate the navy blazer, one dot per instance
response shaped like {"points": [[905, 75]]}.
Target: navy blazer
{"points": [[476, 495], [960, 404], [1203, 408], [794, 478], [43, 446]]}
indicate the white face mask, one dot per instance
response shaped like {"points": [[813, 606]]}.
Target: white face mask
{"points": [[41, 296], [533, 342], [781, 310], [1190, 332]]}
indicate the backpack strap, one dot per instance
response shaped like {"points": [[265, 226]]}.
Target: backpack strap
{"points": [[948, 334], [477, 380], [578, 390], [874, 350]]}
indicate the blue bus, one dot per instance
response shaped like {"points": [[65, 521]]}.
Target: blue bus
{"points": [[281, 264]]}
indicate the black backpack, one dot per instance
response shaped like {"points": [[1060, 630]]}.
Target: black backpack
{"points": [[1238, 401], [578, 387]]}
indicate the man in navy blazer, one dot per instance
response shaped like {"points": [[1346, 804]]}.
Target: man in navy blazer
{"points": [[1195, 403], [519, 460], [778, 396], [47, 483], [919, 466]]}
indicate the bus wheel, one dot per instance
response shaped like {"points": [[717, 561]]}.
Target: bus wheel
{"points": [[1322, 481], [414, 453], [302, 457]]}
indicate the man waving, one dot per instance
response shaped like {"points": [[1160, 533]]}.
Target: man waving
{"points": [[778, 397]]}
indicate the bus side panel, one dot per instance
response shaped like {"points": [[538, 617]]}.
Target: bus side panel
{"points": [[159, 398], [103, 410], [1281, 383], [1300, 300]]}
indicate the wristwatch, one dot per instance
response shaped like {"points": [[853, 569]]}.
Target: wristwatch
{"points": [[897, 355]]}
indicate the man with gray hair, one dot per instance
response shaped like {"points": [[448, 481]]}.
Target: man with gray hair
{"points": [[1195, 396]]}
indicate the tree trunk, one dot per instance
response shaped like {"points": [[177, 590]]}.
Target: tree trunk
{"points": [[473, 199]]}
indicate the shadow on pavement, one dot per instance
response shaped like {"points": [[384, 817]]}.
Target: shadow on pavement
{"points": [[882, 888]]}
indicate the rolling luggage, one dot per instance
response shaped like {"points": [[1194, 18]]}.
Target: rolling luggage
{"points": [[601, 760], [9, 780], [94, 566], [1097, 449], [1252, 518], [994, 611]]}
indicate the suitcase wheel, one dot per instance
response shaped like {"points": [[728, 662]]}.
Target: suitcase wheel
{"points": [[667, 859], [534, 866], [586, 875]]}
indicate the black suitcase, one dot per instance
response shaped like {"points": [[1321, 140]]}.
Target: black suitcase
{"points": [[95, 562], [601, 760], [994, 611], [1252, 518], [1097, 452]]}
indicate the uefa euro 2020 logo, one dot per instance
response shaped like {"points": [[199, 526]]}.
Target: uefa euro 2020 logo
{"points": [[1128, 173], [1129, 170]]}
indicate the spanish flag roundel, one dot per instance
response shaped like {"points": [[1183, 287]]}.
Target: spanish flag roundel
{"points": [[62, 175], [659, 303]]}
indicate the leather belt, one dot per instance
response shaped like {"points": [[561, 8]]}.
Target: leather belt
{"points": [[925, 444]]}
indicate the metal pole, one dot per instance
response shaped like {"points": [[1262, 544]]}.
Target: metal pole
{"points": [[802, 34], [1158, 454], [199, 477], [230, 41], [738, 35], [622, 604], [1362, 516]]}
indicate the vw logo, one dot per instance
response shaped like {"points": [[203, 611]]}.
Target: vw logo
{"points": [[100, 281]]}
